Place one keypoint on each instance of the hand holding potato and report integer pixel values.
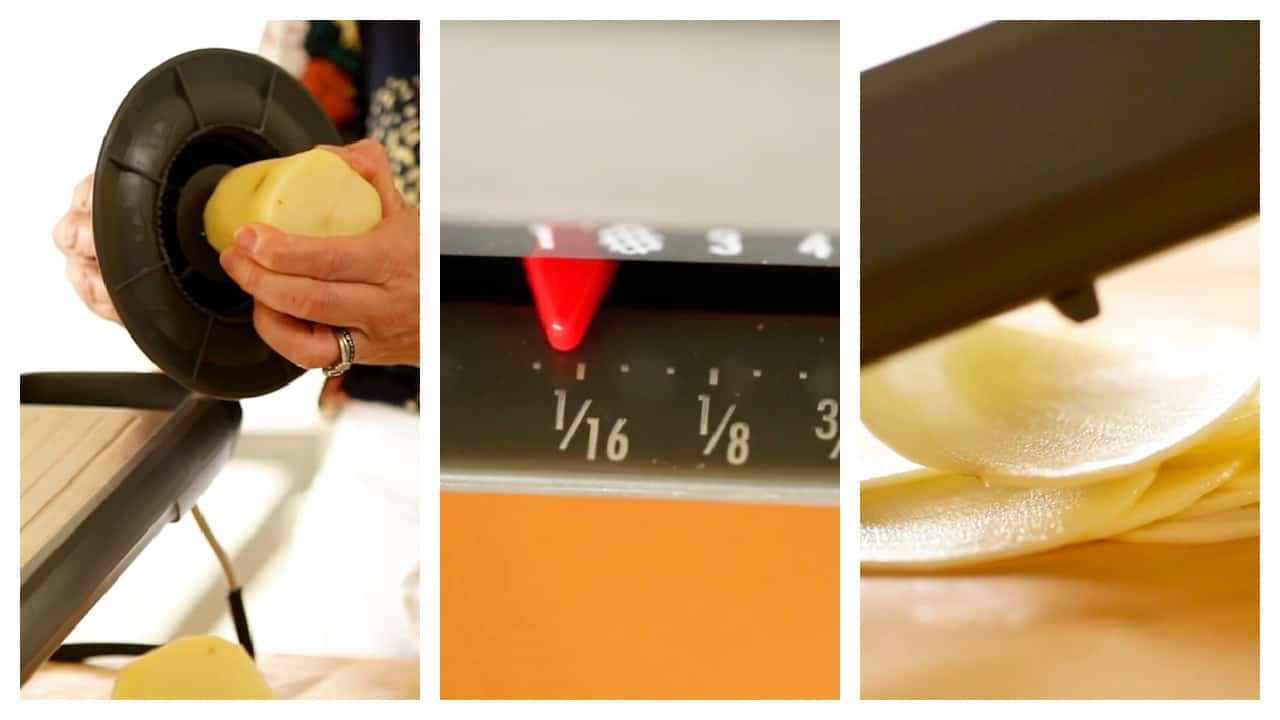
(306, 286)
(74, 237)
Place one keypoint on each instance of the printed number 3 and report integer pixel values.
(725, 241)
(830, 410)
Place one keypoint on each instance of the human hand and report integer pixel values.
(305, 286)
(74, 237)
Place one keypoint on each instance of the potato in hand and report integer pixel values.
(313, 193)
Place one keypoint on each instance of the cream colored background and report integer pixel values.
(680, 124)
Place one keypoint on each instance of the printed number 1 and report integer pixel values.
(544, 236)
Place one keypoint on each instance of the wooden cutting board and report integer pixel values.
(1102, 620)
(70, 456)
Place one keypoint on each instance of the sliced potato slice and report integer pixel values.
(951, 520)
(1237, 433)
(878, 465)
(1032, 402)
(1176, 487)
(1243, 488)
(1233, 524)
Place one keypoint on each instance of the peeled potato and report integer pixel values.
(313, 193)
(1233, 524)
(201, 667)
(951, 520)
(1038, 403)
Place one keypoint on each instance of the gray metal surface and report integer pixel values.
(674, 124)
(716, 406)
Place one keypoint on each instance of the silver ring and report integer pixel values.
(346, 353)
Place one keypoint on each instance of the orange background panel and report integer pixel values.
(577, 597)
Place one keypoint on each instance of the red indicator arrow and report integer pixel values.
(568, 291)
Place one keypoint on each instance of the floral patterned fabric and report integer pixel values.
(365, 74)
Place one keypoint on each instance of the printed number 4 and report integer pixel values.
(816, 244)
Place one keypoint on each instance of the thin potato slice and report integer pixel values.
(878, 465)
(954, 520)
(1233, 524)
(1240, 490)
(1176, 487)
(1033, 402)
(1237, 433)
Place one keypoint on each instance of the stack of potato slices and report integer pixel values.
(1029, 432)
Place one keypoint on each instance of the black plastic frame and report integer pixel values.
(659, 285)
(1024, 159)
(496, 434)
(158, 484)
(205, 108)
